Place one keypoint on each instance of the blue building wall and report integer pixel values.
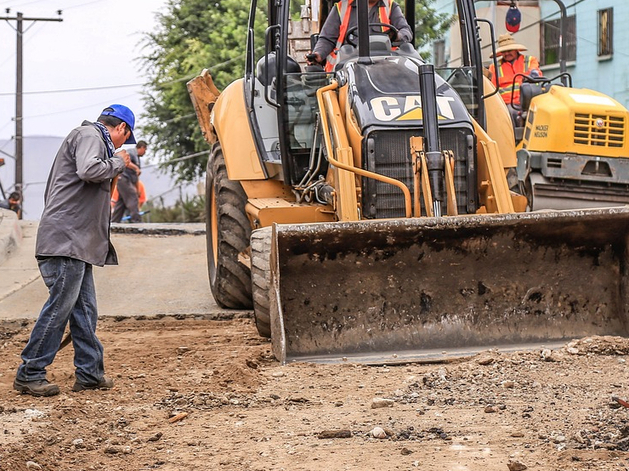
(610, 76)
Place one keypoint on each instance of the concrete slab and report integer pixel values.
(19, 269)
(10, 234)
(162, 271)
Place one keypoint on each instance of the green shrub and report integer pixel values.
(186, 210)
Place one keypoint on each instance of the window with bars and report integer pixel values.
(550, 40)
(605, 32)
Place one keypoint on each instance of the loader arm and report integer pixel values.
(492, 183)
(203, 94)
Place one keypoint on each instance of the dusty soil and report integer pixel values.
(195, 394)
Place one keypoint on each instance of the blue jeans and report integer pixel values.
(72, 298)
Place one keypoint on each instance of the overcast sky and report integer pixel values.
(95, 46)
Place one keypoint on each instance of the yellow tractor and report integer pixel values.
(365, 213)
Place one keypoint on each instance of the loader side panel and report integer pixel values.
(430, 286)
(231, 121)
(499, 125)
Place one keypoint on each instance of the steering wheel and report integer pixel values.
(352, 32)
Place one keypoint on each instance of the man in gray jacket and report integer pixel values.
(73, 236)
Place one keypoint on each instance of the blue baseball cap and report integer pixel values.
(125, 114)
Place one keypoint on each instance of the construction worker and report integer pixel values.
(343, 18)
(73, 235)
(511, 63)
(127, 187)
(13, 203)
(141, 195)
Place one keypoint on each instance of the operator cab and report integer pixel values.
(281, 88)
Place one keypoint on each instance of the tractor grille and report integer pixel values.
(599, 130)
(388, 153)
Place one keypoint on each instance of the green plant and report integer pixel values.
(186, 210)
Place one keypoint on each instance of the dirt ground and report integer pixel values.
(196, 394)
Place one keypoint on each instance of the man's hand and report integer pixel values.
(124, 155)
(313, 58)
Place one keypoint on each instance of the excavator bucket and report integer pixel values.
(388, 291)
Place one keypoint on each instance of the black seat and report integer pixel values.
(265, 68)
(528, 91)
(407, 49)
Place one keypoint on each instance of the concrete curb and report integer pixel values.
(159, 228)
(10, 234)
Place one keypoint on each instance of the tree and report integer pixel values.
(193, 36)
(429, 25)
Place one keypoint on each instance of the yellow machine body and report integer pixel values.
(577, 121)
(575, 150)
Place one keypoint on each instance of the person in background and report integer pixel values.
(141, 195)
(13, 203)
(511, 63)
(344, 16)
(128, 187)
(73, 235)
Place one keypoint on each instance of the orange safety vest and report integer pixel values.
(507, 71)
(344, 10)
(141, 195)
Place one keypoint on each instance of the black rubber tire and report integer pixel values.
(261, 279)
(228, 232)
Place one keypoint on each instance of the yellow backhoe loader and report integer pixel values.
(365, 213)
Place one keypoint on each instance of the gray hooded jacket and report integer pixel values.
(76, 217)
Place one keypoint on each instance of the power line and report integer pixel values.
(6, 143)
(5, 125)
(542, 20)
(30, 37)
(41, 1)
(179, 159)
(70, 90)
(83, 4)
(90, 106)
(23, 4)
(19, 18)
(130, 85)
(172, 120)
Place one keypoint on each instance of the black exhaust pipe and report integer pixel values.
(364, 53)
(432, 146)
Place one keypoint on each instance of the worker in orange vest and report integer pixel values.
(511, 63)
(343, 18)
(141, 195)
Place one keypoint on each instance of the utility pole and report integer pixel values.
(20, 19)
